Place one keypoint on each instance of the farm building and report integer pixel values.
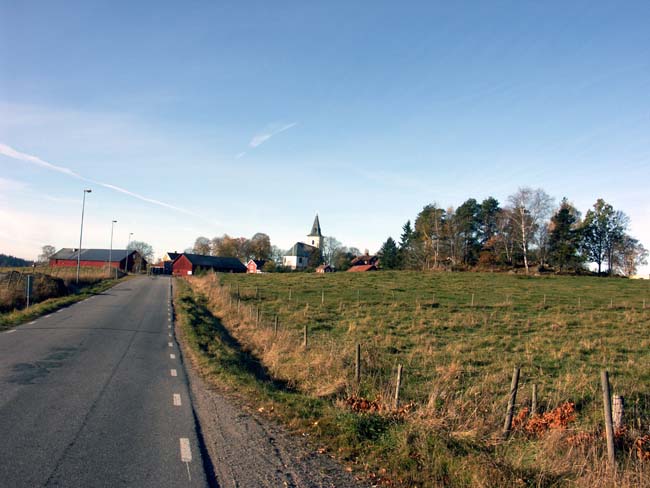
(97, 258)
(188, 264)
(255, 265)
(362, 268)
(298, 256)
(167, 261)
(365, 260)
(324, 268)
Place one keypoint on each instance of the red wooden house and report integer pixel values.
(255, 265)
(188, 264)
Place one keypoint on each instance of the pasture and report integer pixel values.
(458, 337)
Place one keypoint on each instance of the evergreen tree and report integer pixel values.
(467, 224)
(389, 254)
(406, 246)
(564, 238)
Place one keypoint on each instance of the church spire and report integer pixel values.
(315, 228)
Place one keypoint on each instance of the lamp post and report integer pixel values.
(81, 232)
(110, 251)
(126, 260)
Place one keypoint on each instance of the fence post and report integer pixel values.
(322, 297)
(544, 299)
(289, 293)
(609, 429)
(238, 295)
(257, 319)
(275, 325)
(514, 385)
(472, 299)
(358, 297)
(357, 364)
(618, 411)
(533, 402)
(398, 385)
(28, 289)
(238, 304)
(304, 337)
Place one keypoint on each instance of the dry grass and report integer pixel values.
(457, 359)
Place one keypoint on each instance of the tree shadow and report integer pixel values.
(215, 340)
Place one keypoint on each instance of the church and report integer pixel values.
(298, 256)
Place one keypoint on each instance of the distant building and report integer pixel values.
(324, 268)
(365, 260)
(298, 256)
(362, 268)
(97, 258)
(255, 265)
(167, 261)
(188, 264)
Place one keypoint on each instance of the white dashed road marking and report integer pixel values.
(32, 322)
(176, 400)
(48, 316)
(172, 356)
(173, 372)
(170, 344)
(10, 331)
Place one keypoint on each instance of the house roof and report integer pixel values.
(315, 228)
(302, 250)
(173, 255)
(116, 255)
(324, 266)
(365, 259)
(216, 262)
(258, 262)
(362, 268)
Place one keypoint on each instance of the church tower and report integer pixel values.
(315, 238)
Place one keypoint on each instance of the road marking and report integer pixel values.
(32, 322)
(173, 372)
(48, 316)
(11, 331)
(170, 334)
(169, 326)
(60, 310)
(186, 455)
(170, 344)
(172, 356)
(176, 400)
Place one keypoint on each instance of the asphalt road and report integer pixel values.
(96, 395)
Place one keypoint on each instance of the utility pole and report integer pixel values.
(110, 251)
(81, 232)
(126, 259)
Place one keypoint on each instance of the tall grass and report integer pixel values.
(457, 359)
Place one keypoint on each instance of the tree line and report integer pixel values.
(529, 230)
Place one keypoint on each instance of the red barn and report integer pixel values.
(98, 258)
(188, 264)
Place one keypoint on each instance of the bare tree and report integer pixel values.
(47, 252)
(330, 246)
(201, 246)
(529, 209)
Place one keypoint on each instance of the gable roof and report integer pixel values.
(315, 228)
(258, 262)
(116, 255)
(215, 262)
(301, 250)
(173, 255)
(365, 259)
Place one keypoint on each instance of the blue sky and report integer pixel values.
(252, 116)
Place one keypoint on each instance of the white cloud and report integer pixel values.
(268, 132)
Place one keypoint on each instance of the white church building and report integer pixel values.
(298, 256)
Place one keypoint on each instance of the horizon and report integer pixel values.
(213, 120)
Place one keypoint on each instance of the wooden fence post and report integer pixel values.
(609, 429)
(533, 402)
(289, 293)
(238, 295)
(275, 325)
(472, 299)
(358, 297)
(618, 411)
(238, 304)
(398, 385)
(514, 385)
(257, 318)
(322, 297)
(357, 364)
(544, 299)
(304, 337)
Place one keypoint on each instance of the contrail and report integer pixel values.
(10, 152)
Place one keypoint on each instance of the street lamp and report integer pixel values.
(81, 232)
(126, 260)
(110, 252)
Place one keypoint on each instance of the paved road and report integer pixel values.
(96, 395)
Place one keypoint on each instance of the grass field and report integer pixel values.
(458, 337)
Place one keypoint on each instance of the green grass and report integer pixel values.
(457, 359)
(17, 317)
